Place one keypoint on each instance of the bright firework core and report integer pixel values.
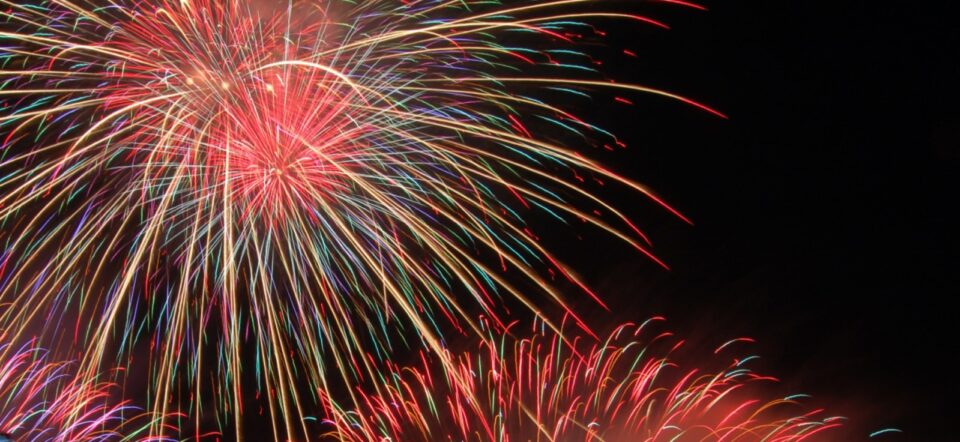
(252, 129)
(290, 154)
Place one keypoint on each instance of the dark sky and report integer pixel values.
(824, 208)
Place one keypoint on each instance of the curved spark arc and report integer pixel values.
(200, 175)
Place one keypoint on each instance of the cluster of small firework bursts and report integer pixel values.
(626, 388)
(312, 187)
(40, 400)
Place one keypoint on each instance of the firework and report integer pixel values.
(192, 184)
(630, 387)
(41, 401)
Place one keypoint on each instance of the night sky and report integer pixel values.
(824, 209)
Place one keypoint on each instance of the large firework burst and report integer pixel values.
(630, 387)
(315, 181)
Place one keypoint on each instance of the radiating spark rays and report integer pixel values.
(308, 186)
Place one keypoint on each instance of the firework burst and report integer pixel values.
(630, 387)
(305, 186)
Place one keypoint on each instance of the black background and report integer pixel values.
(823, 209)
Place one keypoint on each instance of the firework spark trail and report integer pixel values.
(630, 387)
(40, 402)
(323, 182)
